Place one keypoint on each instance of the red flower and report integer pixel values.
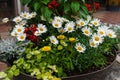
(31, 30)
(33, 38)
(30, 33)
(97, 5)
(53, 4)
(89, 7)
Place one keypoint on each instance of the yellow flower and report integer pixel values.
(61, 37)
(72, 39)
(56, 79)
(46, 48)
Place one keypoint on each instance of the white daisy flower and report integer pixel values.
(37, 33)
(102, 30)
(33, 14)
(58, 19)
(89, 18)
(29, 16)
(21, 37)
(24, 14)
(50, 21)
(53, 40)
(18, 25)
(80, 47)
(95, 22)
(92, 44)
(56, 24)
(17, 19)
(5, 20)
(97, 38)
(61, 30)
(42, 28)
(19, 29)
(13, 33)
(111, 34)
(65, 20)
(69, 27)
(80, 23)
(43, 18)
(23, 22)
(86, 31)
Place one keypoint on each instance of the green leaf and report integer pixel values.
(36, 6)
(6, 78)
(16, 72)
(46, 12)
(13, 67)
(82, 14)
(75, 6)
(45, 1)
(60, 71)
(83, 7)
(28, 56)
(39, 56)
(38, 76)
(10, 73)
(66, 7)
(24, 2)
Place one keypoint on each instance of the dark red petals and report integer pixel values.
(53, 4)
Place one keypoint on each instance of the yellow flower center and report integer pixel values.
(72, 39)
(82, 23)
(18, 20)
(79, 48)
(53, 41)
(110, 35)
(58, 20)
(24, 15)
(69, 29)
(97, 38)
(61, 37)
(41, 29)
(15, 34)
(95, 23)
(92, 44)
(101, 32)
(61, 31)
(22, 37)
(29, 17)
(19, 30)
(86, 32)
(46, 48)
(56, 25)
(78, 25)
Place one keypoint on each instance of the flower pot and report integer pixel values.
(95, 75)
(3, 66)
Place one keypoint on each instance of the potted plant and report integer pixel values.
(59, 46)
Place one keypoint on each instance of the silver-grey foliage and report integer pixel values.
(10, 48)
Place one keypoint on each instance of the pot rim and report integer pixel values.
(81, 74)
(85, 74)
